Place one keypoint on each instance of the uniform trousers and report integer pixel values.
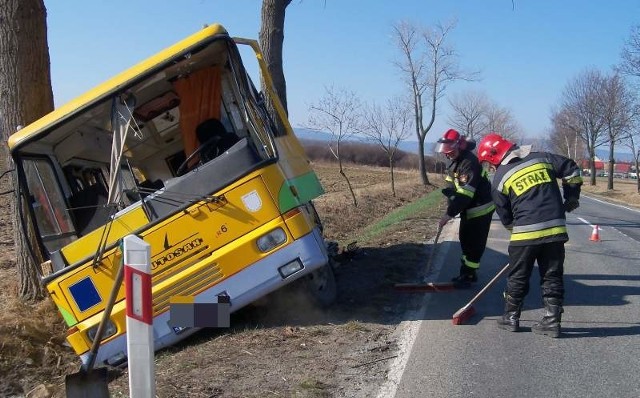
(550, 259)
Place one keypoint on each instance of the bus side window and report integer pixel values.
(51, 216)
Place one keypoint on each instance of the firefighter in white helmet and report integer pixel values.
(529, 203)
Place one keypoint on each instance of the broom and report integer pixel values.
(466, 312)
(428, 286)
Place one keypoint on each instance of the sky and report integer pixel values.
(527, 51)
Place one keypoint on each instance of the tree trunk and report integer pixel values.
(592, 166)
(611, 167)
(271, 40)
(25, 95)
(393, 181)
(421, 163)
(353, 194)
(637, 174)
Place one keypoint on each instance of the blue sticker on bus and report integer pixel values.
(85, 294)
(179, 329)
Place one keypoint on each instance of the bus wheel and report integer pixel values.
(321, 286)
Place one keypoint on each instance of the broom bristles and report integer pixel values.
(463, 314)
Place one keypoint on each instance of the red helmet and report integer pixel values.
(449, 142)
(493, 148)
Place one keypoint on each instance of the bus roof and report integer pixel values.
(110, 86)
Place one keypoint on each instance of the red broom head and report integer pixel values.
(463, 315)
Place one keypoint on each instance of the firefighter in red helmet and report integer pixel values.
(468, 193)
(529, 203)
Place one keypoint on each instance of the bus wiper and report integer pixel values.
(173, 198)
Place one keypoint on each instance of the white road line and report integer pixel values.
(614, 228)
(611, 204)
(585, 221)
(407, 331)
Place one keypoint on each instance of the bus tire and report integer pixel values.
(320, 285)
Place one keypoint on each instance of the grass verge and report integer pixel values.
(422, 205)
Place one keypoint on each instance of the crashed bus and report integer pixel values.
(180, 151)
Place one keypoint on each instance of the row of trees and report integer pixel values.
(368, 154)
(342, 114)
(596, 109)
(601, 109)
(428, 64)
(474, 114)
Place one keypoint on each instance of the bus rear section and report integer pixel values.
(180, 151)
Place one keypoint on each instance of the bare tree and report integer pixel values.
(271, 43)
(469, 113)
(26, 95)
(388, 127)
(618, 107)
(475, 114)
(501, 121)
(428, 66)
(338, 113)
(581, 113)
(563, 140)
(630, 64)
(633, 143)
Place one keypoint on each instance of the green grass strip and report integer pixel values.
(428, 201)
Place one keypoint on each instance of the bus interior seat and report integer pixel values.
(88, 208)
(215, 136)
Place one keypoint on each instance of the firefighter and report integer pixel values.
(468, 193)
(529, 204)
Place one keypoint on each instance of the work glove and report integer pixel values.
(571, 204)
(448, 192)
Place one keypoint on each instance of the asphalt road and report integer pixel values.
(598, 353)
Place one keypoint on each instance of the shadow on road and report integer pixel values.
(607, 331)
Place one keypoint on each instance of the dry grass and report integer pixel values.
(372, 187)
(625, 191)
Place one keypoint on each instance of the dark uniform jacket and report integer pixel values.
(468, 188)
(528, 200)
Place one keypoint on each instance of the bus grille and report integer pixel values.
(187, 286)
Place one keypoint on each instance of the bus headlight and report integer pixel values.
(271, 240)
(109, 330)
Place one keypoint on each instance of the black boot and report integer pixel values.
(510, 320)
(550, 323)
(466, 277)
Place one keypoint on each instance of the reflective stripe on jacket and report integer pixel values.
(468, 187)
(528, 199)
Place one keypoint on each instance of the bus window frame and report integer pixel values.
(60, 235)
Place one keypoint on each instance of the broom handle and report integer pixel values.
(433, 250)
(488, 285)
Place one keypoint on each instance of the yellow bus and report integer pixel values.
(180, 151)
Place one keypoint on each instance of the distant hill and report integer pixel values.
(307, 134)
(603, 154)
(410, 146)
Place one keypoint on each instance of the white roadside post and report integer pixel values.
(137, 282)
